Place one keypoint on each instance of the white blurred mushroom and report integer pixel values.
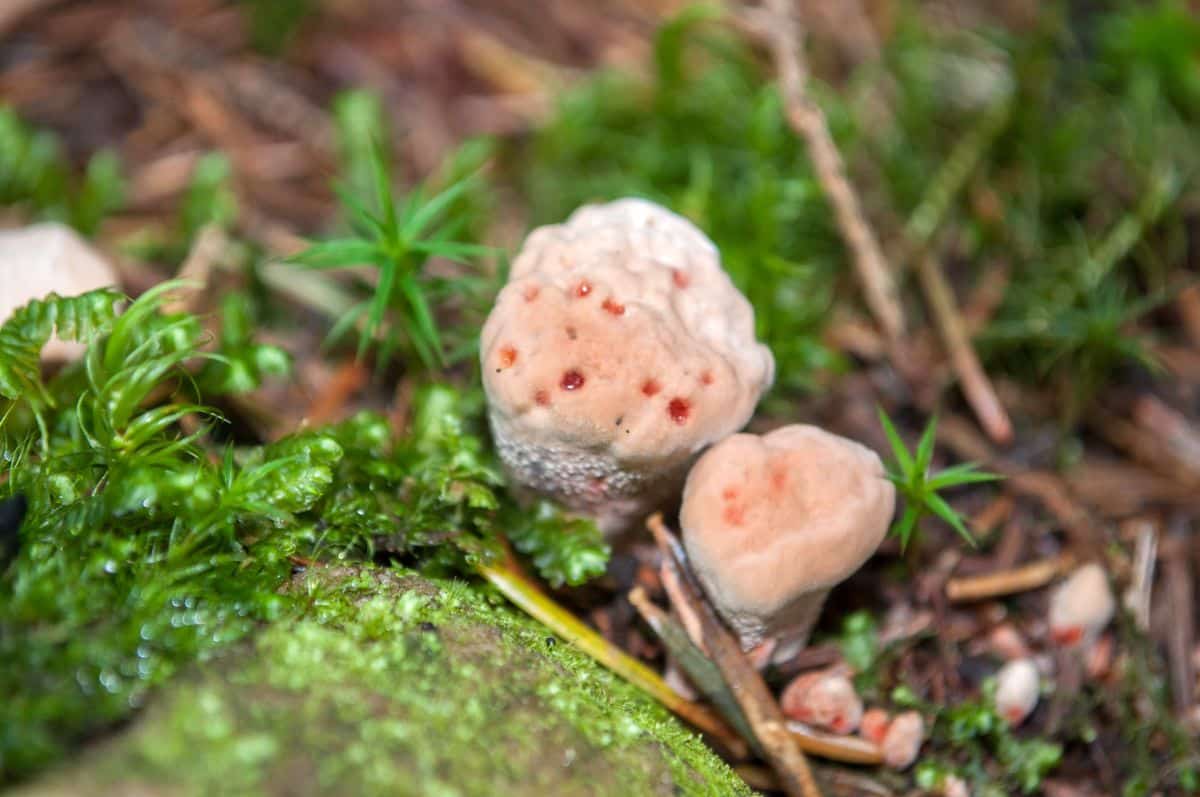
(1081, 606)
(618, 350)
(1016, 690)
(41, 259)
(954, 786)
(902, 742)
(771, 523)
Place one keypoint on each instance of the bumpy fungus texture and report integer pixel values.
(618, 349)
(48, 258)
(1081, 606)
(771, 523)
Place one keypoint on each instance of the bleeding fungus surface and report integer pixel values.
(634, 351)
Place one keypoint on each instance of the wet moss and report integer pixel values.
(391, 683)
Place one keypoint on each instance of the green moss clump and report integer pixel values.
(392, 684)
(146, 548)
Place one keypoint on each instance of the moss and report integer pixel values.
(391, 683)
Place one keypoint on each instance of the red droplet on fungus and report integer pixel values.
(1067, 636)
(613, 306)
(680, 279)
(572, 333)
(571, 380)
(778, 478)
(679, 409)
(583, 289)
(650, 388)
(707, 378)
(734, 514)
(508, 356)
(729, 493)
(542, 398)
(531, 293)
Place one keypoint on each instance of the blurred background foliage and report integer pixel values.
(1079, 125)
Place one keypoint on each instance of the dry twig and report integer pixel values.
(1007, 582)
(761, 710)
(1181, 597)
(807, 119)
(976, 386)
(1141, 584)
(514, 585)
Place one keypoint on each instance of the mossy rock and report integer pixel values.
(394, 684)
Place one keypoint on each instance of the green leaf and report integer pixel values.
(426, 332)
(565, 549)
(904, 528)
(899, 450)
(925, 448)
(965, 473)
(939, 507)
(337, 253)
(23, 335)
(424, 215)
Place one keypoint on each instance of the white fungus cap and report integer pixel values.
(41, 259)
(1017, 690)
(618, 350)
(771, 523)
(1081, 606)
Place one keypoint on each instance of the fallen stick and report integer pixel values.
(757, 703)
(807, 119)
(1180, 593)
(514, 585)
(918, 233)
(1008, 582)
(976, 386)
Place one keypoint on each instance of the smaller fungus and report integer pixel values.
(1006, 642)
(902, 742)
(874, 724)
(1017, 690)
(824, 699)
(1081, 606)
(771, 523)
(954, 786)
